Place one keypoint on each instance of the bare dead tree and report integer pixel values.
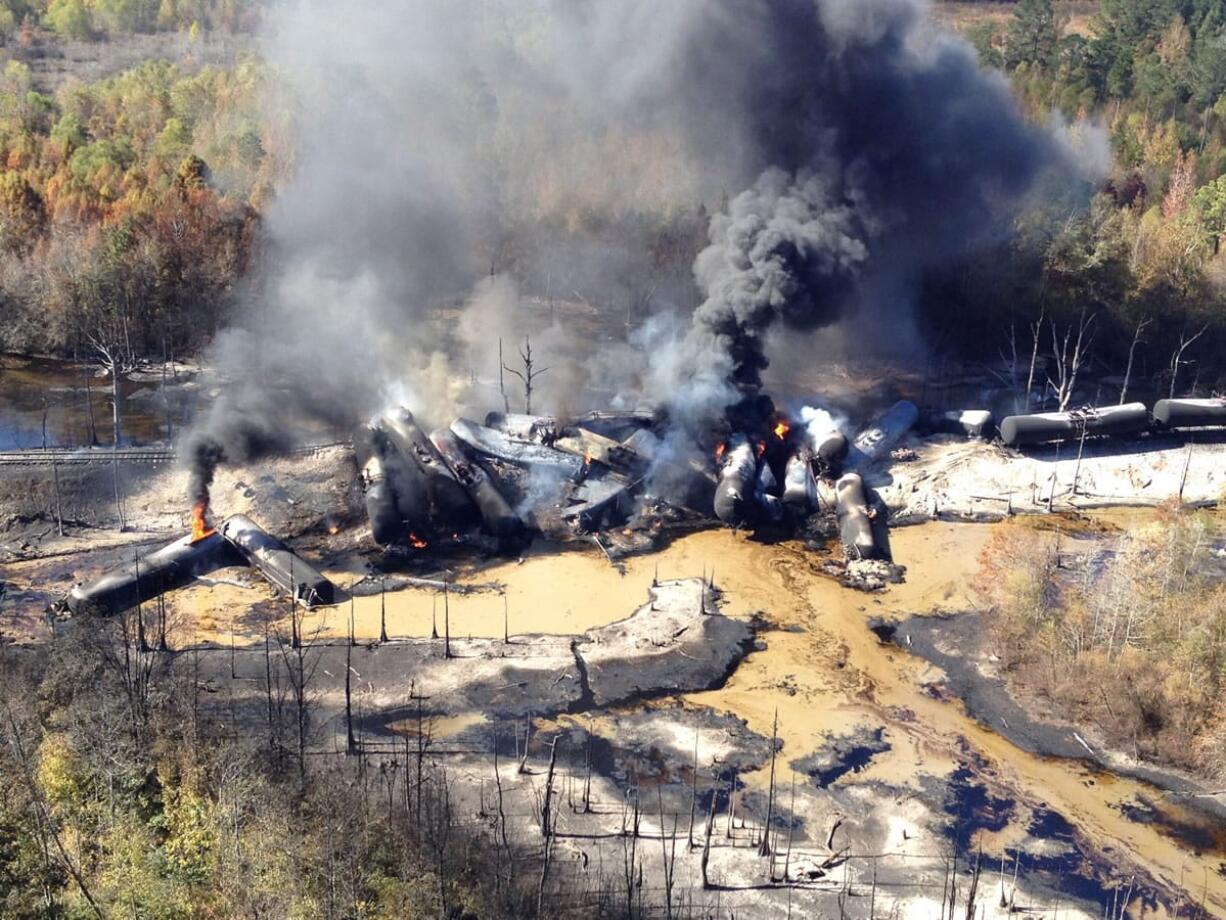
(693, 788)
(89, 409)
(1136, 338)
(45, 826)
(629, 852)
(502, 386)
(351, 744)
(1036, 330)
(115, 357)
(300, 664)
(59, 513)
(529, 374)
(446, 622)
(1177, 360)
(706, 840)
(548, 820)
(382, 610)
(502, 814)
(668, 852)
(1068, 363)
(764, 849)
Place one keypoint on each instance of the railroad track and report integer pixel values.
(68, 456)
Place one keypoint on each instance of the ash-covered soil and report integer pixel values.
(890, 780)
(958, 479)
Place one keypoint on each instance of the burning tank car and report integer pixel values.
(617, 474)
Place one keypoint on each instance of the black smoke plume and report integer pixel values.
(888, 153)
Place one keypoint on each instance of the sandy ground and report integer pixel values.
(955, 477)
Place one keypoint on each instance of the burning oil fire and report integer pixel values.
(782, 429)
(200, 523)
(417, 542)
(720, 448)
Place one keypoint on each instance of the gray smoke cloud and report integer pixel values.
(458, 158)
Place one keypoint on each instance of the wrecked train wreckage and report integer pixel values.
(526, 473)
(238, 541)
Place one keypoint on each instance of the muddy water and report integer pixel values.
(823, 671)
(835, 674)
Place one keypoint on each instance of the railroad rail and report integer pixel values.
(80, 456)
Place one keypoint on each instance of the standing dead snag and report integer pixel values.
(1136, 338)
(764, 849)
(548, 820)
(113, 348)
(446, 623)
(1177, 360)
(1036, 329)
(706, 842)
(1068, 363)
(668, 851)
(528, 375)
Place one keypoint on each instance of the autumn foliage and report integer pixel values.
(1126, 636)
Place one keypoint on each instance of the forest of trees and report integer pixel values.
(1132, 642)
(91, 19)
(1152, 74)
(128, 207)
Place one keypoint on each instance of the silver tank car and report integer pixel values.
(450, 508)
(736, 494)
(283, 568)
(496, 514)
(799, 486)
(855, 522)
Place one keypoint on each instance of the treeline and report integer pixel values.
(1132, 642)
(128, 207)
(1147, 252)
(100, 19)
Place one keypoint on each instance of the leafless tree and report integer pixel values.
(528, 375)
(764, 849)
(1069, 362)
(1136, 338)
(1036, 330)
(113, 349)
(1177, 359)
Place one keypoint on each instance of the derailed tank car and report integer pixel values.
(370, 447)
(145, 577)
(1049, 427)
(855, 518)
(1173, 414)
(496, 514)
(446, 500)
(283, 568)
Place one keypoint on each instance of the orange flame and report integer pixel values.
(719, 451)
(200, 524)
(782, 429)
(417, 542)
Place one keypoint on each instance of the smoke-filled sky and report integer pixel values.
(815, 155)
